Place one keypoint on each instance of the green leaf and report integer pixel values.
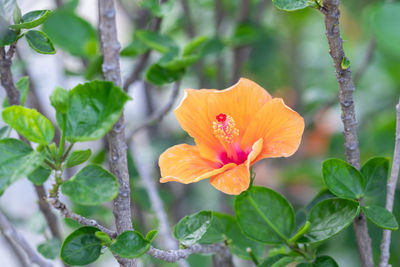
(91, 113)
(92, 185)
(291, 5)
(322, 195)
(7, 36)
(16, 160)
(59, 99)
(39, 176)
(321, 261)
(104, 238)
(247, 33)
(159, 75)
(81, 247)
(23, 87)
(29, 123)
(32, 19)
(179, 64)
(157, 8)
(157, 41)
(329, 217)
(264, 215)
(134, 49)
(195, 45)
(3, 131)
(83, 41)
(225, 228)
(381, 217)
(268, 262)
(130, 244)
(77, 157)
(151, 235)
(284, 261)
(385, 22)
(39, 42)
(342, 179)
(345, 63)
(17, 15)
(190, 229)
(375, 172)
(50, 249)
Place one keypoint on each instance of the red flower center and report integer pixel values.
(221, 117)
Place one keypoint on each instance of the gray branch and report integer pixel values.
(343, 75)
(391, 188)
(12, 234)
(116, 137)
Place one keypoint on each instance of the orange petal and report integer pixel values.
(182, 163)
(192, 114)
(279, 126)
(241, 101)
(236, 180)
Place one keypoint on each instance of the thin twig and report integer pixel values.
(116, 137)
(331, 11)
(391, 188)
(18, 253)
(158, 115)
(10, 232)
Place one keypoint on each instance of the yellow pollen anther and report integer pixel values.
(224, 129)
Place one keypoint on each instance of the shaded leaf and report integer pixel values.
(381, 217)
(39, 176)
(156, 41)
(375, 172)
(50, 249)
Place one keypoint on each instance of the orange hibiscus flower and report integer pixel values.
(232, 129)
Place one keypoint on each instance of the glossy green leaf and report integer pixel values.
(81, 247)
(381, 217)
(23, 87)
(39, 42)
(130, 244)
(151, 235)
(92, 185)
(329, 217)
(32, 19)
(321, 261)
(385, 22)
(156, 41)
(91, 113)
(16, 160)
(375, 172)
(342, 179)
(50, 249)
(225, 228)
(7, 36)
(195, 45)
(83, 41)
(134, 49)
(59, 99)
(29, 123)
(39, 176)
(190, 229)
(291, 5)
(77, 157)
(159, 75)
(264, 215)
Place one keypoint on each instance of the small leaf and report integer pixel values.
(7, 36)
(29, 123)
(104, 238)
(291, 5)
(39, 176)
(92, 185)
(151, 235)
(264, 215)
(50, 249)
(345, 63)
(81, 247)
(329, 217)
(31, 19)
(91, 114)
(16, 160)
(321, 261)
(130, 244)
(39, 42)
(342, 179)
(381, 217)
(157, 8)
(77, 157)
(59, 99)
(191, 229)
(375, 172)
(195, 45)
(269, 261)
(134, 49)
(159, 75)
(157, 41)
(17, 15)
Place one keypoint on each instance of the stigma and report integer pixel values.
(225, 128)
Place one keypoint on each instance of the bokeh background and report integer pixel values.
(284, 52)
